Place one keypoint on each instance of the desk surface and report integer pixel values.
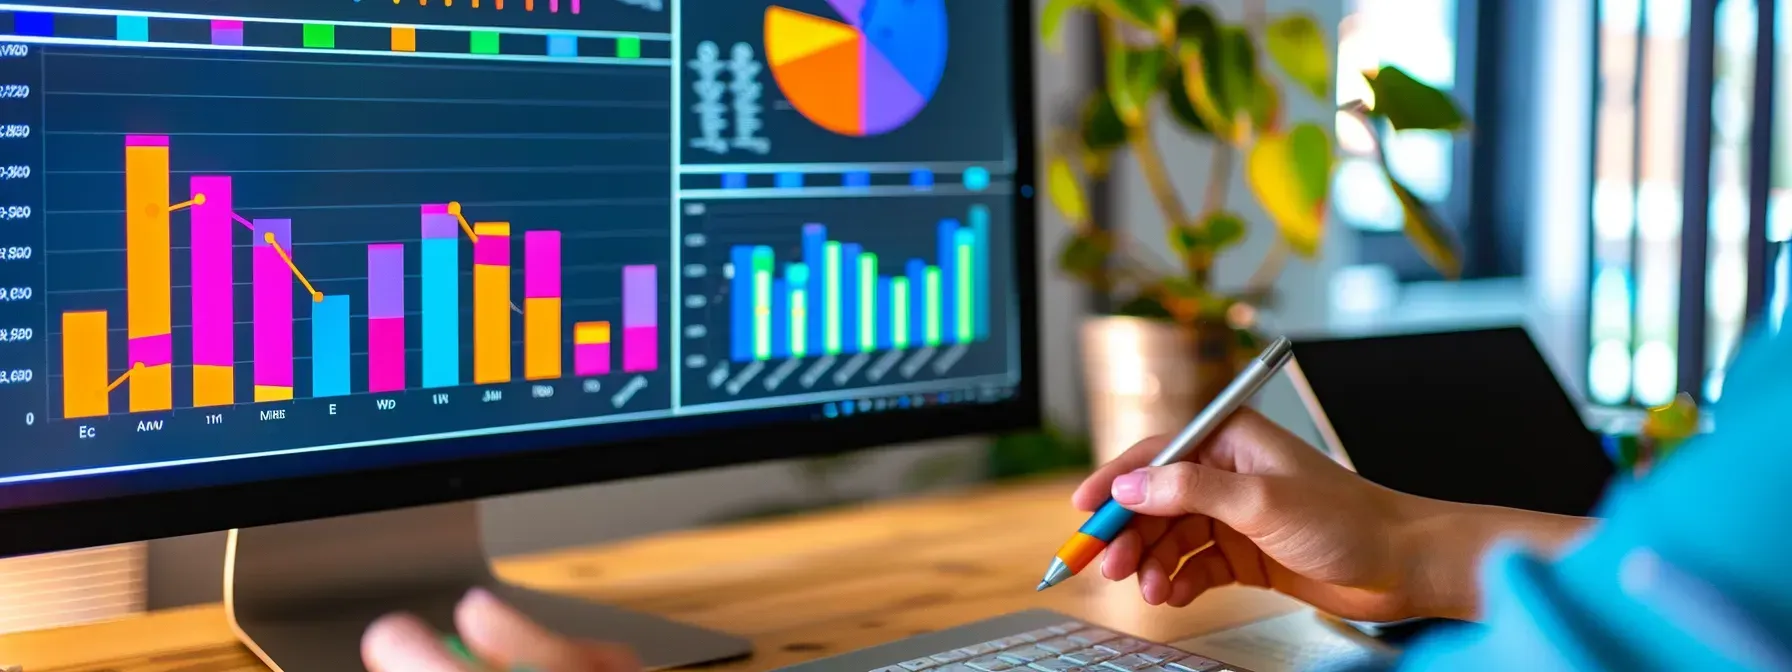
(800, 588)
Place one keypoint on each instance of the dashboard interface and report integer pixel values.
(233, 231)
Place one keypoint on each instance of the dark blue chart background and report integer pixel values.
(968, 119)
(348, 148)
(593, 14)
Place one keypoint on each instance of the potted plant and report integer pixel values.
(1175, 338)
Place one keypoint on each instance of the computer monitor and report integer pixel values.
(269, 262)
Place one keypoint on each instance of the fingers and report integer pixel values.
(1242, 556)
(1203, 572)
(1187, 536)
(1122, 557)
(1184, 488)
(404, 643)
(1094, 490)
(499, 634)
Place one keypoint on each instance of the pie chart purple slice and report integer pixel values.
(889, 100)
(850, 10)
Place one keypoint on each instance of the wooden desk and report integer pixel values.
(800, 588)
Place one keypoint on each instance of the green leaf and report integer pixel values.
(1102, 130)
(1182, 109)
(1051, 20)
(1145, 306)
(1291, 175)
(1433, 240)
(1195, 25)
(1085, 255)
(1197, 40)
(1266, 107)
(1186, 239)
(1232, 69)
(1066, 191)
(1158, 15)
(1408, 103)
(1297, 45)
(1222, 229)
(1133, 78)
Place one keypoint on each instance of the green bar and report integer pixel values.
(899, 312)
(762, 303)
(485, 42)
(628, 46)
(964, 323)
(799, 324)
(931, 330)
(831, 332)
(320, 36)
(867, 302)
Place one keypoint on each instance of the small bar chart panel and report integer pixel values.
(884, 293)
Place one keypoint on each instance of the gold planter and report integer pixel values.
(1147, 377)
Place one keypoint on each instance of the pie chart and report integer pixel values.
(868, 72)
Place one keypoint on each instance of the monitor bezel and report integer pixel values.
(138, 517)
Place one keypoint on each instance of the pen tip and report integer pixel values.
(1042, 586)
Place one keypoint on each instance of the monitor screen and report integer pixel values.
(255, 240)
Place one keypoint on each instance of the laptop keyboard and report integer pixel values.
(1070, 647)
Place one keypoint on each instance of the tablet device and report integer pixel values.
(1472, 416)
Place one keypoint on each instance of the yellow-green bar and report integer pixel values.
(867, 302)
(831, 278)
(762, 303)
(899, 312)
(799, 326)
(931, 329)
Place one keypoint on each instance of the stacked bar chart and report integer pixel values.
(281, 297)
(841, 299)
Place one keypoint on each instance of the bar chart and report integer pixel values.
(799, 305)
(271, 246)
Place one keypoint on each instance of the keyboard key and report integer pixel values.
(955, 667)
(1068, 627)
(1060, 645)
(1195, 663)
(1041, 634)
(1125, 645)
(1158, 654)
(1130, 663)
(1026, 654)
(1010, 642)
(1089, 656)
(980, 649)
(1094, 636)
(990, 664)
(890, 668)
(918, 664)
(1053, 665)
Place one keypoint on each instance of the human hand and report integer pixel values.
(1256, 505)
(498, 637)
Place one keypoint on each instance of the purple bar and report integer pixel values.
(640, 318)
(591, 359)
(152, 350)
(273, 304)
(492, 250)
(541, 265)
(146, 141)
(214, 316)
(385, 280)
(437, 223)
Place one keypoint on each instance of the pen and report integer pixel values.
(1108, 520)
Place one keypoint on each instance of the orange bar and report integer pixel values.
(272, 393)
(491, 303)
(404, 39)
(213, 385)
(84, 360)
(147, 283)
(541, 338)
(591, 333)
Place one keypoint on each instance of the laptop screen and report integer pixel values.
(1469, 416)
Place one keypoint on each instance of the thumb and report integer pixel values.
(1188, 488)
(509, 639)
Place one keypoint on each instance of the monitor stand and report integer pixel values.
(299, 595)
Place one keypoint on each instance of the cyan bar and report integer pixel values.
(329, 347)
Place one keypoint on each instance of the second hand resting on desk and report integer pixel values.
(1111, 518)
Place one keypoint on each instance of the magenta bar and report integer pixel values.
(227, 32)
(541, 265)
(152, 350)
(214, 318)
(273, 310)
(435, 208)
(575, 6)
(385, 317)
(146, 141)
(492, 250)
(590, 359)
(640, 318)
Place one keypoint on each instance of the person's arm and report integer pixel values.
(1447, 542)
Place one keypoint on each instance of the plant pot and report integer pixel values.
(1147, 377)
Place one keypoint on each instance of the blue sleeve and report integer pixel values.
(1686, 570)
